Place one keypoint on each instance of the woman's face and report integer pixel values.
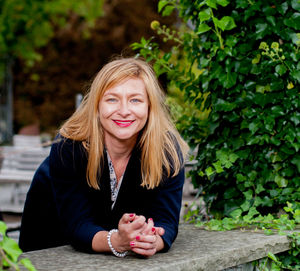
(123, 110)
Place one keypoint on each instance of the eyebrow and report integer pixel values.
(130, 95)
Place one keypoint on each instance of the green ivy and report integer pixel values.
(10, 253)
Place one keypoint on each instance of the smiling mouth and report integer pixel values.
(123, 123)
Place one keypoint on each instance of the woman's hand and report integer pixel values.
(130, 226)
(149, 241)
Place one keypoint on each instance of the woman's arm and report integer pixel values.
(165, 207)
(71, 193)
(163, 210)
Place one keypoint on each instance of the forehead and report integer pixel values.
(129, 85)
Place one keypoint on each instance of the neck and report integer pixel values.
(119, 149)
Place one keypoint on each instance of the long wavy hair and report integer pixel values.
(162, 148)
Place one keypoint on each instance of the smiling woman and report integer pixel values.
(113, 180)
(123, 111)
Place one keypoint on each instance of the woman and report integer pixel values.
(113, 180)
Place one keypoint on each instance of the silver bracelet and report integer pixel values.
(116, 253)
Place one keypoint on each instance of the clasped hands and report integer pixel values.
(138, 235)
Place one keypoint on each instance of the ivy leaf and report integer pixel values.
(223, 3)
(209, 171)
(226, 23)
(168, 10)
(254, 126)
(246, 205)
(212, 3)
(256, 60)
(11, 247)
(296, 162)
(248, 194)
(261, 30)
(252, 212)
(296, 75)
(293, 21)
(218, 166)
(204, 15)
(233, 157)
(228, 80)
(162, 4)
(240, 177)
(297, 216)
(280, 181)
(236, 213)
(272, 257)
(295, 4)
(259, 188)
(203, 28)
(3, 228)
(284, 7)
(280, 69)
(222, 105)
(277, 111)
(290, 85)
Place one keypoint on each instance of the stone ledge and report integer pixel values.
(194, 249)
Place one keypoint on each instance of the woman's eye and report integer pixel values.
(135, 100)
(111, 100)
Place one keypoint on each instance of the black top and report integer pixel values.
(61, 208)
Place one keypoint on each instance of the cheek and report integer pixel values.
(142, 113)
(105, 111)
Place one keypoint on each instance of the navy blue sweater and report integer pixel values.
(62, 209)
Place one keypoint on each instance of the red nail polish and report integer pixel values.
(153, 229)
(131, 215)
(150, 219)
(132, 244)
(137, 238)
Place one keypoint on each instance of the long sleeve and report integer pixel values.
(71, 193)
(165, 207)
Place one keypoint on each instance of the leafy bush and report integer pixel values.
(246, 54)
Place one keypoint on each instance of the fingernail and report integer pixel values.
(131, 215)
(153, 229)
(150, 219)
(137, 238)
(132, 244)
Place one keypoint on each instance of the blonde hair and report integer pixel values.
(161, 146)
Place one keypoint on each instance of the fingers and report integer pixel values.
(138, 223)
(144, 245)
(160, 231)
(126, 218)
(138, 235)
(149, 229)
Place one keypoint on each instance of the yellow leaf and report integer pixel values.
(290, 85)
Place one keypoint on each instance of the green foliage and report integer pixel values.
(28, 25)
(10, 252)
(248, 55)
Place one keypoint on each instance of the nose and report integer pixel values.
(124, 109)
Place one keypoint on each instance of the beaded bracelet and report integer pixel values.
(116, 253)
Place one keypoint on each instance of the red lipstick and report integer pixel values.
(123, 123)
